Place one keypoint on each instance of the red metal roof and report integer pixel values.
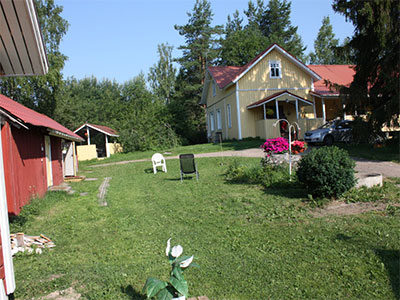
(224, 75)
(337, 74)
(32, 117)
(276, 95)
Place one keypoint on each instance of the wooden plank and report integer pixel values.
(9, 45)
(16, 33)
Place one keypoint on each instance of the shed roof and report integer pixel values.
(101, 128)
(277, 95)
(23, 50)
(337, 74)
(29, 116)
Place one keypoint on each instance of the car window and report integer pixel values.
(327, 125)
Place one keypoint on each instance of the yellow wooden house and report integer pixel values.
(247, 101)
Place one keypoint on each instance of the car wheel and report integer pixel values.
(328, 140)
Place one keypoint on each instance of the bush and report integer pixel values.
(266, 173)
(326, 172)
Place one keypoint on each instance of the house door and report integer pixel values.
(47, 147)
(68, 155)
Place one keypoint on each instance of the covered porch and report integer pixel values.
(284, 105)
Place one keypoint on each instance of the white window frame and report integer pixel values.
(228, 109)
(219, 120)
(273, 66)
(211, 121)
(214, 89)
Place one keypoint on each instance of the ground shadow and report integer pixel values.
(132, 293)
(149, 170)
(391, 260)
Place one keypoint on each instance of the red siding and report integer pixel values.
(25, 165)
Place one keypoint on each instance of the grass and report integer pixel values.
(195, 149)
(390, 152)
(250, 242)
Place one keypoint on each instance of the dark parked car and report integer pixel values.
(331, 132)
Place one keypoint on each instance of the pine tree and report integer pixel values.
(324, 45)
(200, 49)
(276, 26)
(266, 25)
(162, 76)
(375, 50)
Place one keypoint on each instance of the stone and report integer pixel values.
(369, 180)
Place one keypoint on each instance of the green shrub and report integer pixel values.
(266, 173)
(326, 172)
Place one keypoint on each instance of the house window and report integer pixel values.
(214, 90)
(219, 122)
(228, 109)
(275, 69)
(211, 121)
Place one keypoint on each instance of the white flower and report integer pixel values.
(186, 262)
(176, 251)
(168, 247)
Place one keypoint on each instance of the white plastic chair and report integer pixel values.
(158, 161)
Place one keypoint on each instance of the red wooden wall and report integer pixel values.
(25, 165)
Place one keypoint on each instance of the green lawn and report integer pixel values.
(195, 149)
(390, 152)
(250, 243)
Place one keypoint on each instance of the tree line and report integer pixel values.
(160, 109)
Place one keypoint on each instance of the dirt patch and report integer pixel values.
(68, 294)
(337, 208)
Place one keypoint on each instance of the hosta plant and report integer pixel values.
(177, 286)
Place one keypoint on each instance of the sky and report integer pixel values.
(117, 39)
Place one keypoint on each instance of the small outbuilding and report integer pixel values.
(100, 141)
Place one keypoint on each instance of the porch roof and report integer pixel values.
(100, 128)
(274, 97)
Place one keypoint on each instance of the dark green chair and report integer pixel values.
(188, 165)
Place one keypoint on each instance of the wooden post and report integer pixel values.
(107, 151)
(88, 135)
(277, 109)
(265, 114)
(323, 110)
(297, 109)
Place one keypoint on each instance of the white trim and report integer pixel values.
(290, 57)
(5, 227)
(3, 295)
(229, 115)
(94, 128)
(278, 66)
(312, 84)
(63, 135)
(238, 112)
(323, 110)
(219, 119)
(277, 109)
(280, 95)
(13, 119)
(297, 109)
(212, 125)
(107, 150)
(226, 120)
(265, 113)
(274, 89)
